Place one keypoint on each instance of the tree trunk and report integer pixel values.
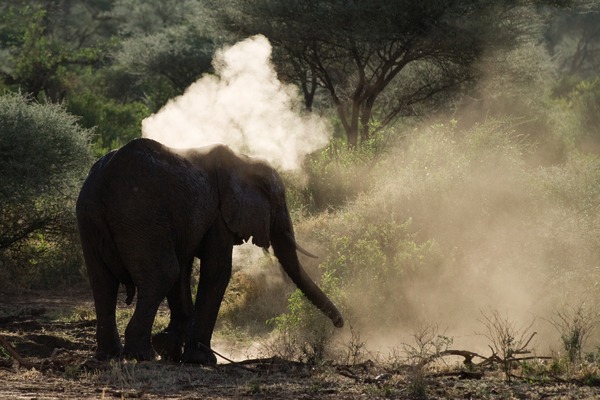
(352, 132)
(352, 137)
(309, 88)
(365, 119)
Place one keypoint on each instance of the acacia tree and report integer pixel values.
(378, 59)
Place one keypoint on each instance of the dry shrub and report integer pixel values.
(508, 340)
(575, 325)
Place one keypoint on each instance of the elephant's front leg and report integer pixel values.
(215, 272)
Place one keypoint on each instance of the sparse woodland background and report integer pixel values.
(463, 173)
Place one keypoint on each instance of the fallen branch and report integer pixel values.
(460, 374)
(468, 356)
(14, 354)
(494, 358)
(348, 374)
(531, 358)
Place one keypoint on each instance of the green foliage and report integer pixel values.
(115, 123)
(577, 106)
(167, 46)
(254, 388)
(37, 61)
(44, 155)
(454, 209)
(591, 377)
(113, 62)
(337, 174)
(373, 258)
(144, 17)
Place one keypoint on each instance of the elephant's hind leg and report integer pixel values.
(138, 343)
(107, 335)
(105, 288)
(169, 343)
(153, 282)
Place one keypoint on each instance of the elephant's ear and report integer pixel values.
(245, 203)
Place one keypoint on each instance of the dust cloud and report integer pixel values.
(491, 228)
(243, 105)
(487, 234)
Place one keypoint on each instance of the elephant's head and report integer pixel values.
(253, 204)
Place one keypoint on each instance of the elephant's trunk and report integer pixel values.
(284, 247)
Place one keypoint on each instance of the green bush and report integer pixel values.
(44, 156)
(337, 174)
(304, 333)
(369, 258)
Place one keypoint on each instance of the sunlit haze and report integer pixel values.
(244, 106)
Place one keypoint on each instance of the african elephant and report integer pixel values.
(146, 211)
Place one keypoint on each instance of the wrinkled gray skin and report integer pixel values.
(145, 211)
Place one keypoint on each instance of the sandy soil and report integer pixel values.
(51, 360)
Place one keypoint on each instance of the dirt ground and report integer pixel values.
(45, 356)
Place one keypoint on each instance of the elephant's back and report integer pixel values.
(147, 181)
(147, 166)
(146, 153)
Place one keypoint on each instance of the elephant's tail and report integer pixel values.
(130, 288)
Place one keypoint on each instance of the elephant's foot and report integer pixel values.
(168, 345)
(139, 352)
(106, 352)
(196, 353)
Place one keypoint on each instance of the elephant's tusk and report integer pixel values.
(305, 252)
(302, 250)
